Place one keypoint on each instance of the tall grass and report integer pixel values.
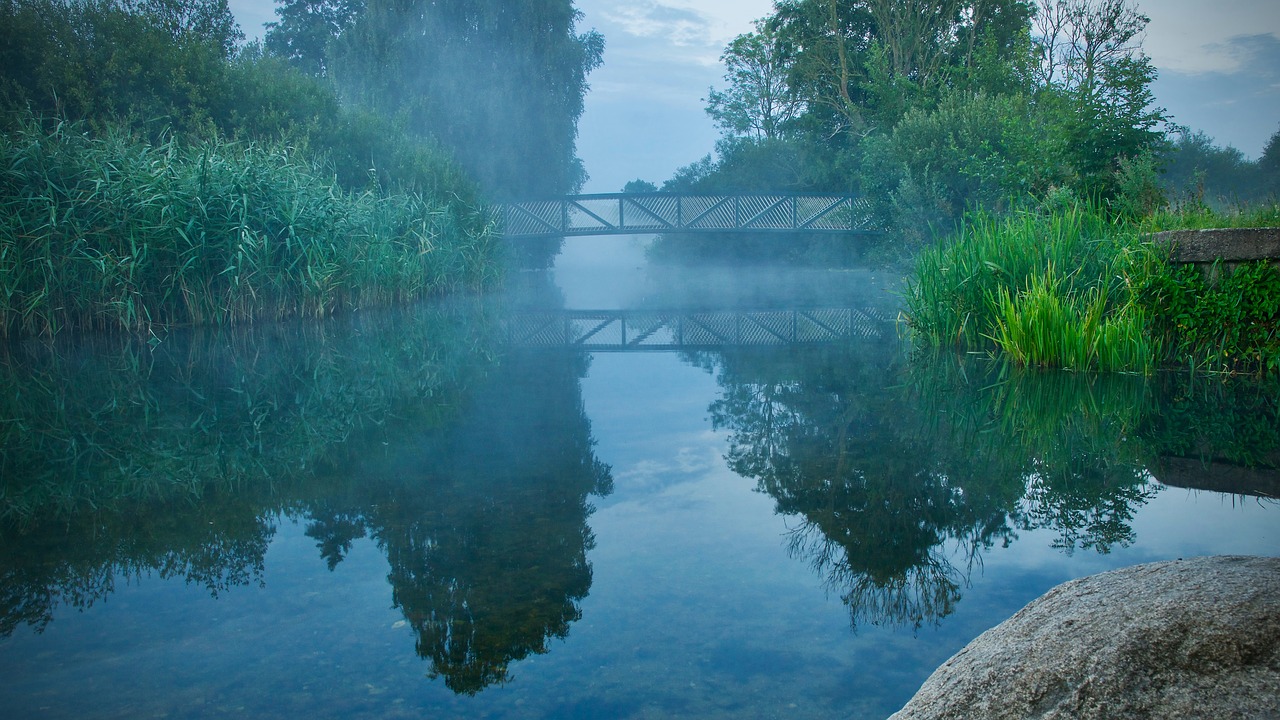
(1077, 290)
(1049, 290)
(112, 233)
(1198, 216)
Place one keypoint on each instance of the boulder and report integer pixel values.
(1195, 638)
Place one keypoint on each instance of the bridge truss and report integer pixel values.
(643, 330)
(641, 213)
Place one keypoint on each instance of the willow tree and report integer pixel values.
(500, 83)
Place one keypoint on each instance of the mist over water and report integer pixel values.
(515, 531)
(609, 488)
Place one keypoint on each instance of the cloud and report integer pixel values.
(1194, 36)
(1253, 55)
(1239, 106)
(708, 24)
(677, 26)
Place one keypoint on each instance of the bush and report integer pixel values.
(1230, 324)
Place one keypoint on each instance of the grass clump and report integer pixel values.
(110, 232)
(1077, 288)
(1048, 289)
(1199, 216)
(1044, 326)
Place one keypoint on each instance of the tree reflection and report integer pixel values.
(471, 473)
(901, 472)
(882, 508)
(485, 522)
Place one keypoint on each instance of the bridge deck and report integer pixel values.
(633, 213)
(645, 330)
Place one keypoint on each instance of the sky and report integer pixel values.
(1218, 63)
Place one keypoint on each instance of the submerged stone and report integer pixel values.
(1195, 638)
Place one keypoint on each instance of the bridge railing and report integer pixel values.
(659, 330)
(636, 213)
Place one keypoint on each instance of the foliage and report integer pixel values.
(103, 425)
(1202, 217)
(955, 294)
(111, 60)
(899, 477)
(978, 149)
(639, 186)
(180, 459)
(1074, 289)
(935, 108)
(1196, 170)
(306, 28)
(1223, 321)
(758, 102)
(115, 233)
(129, 67)
(825, 433)
(499, 84)
(1269, 164)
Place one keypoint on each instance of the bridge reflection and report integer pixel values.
(667, 330)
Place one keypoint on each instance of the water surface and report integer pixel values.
(410, 514)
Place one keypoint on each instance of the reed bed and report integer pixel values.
(1077, 290)
(1048, 290)
(107, 232)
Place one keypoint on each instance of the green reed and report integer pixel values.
(112, 233)
(1051, 290)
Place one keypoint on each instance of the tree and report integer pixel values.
(306, 28)
(916, 35)
(862, 64)
(1196, 168)
(208, 21)
(639, 186)
(1078, 38)
(149, 62)
(1093, 74)
(501, 84)
(827, 41)
(1269, 166)
(759, 101)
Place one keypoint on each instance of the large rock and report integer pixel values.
(1196, 638)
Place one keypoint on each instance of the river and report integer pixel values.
(748, 499)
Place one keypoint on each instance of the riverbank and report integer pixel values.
(1078, 289)
(114, 233)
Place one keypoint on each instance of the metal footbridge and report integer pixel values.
(662, 213)
(655, 330)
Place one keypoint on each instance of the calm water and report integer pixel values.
(447, 513)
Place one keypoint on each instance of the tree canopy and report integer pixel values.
(936, 107)
(501, 84)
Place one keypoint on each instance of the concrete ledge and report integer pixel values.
(1230, 245)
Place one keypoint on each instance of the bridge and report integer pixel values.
(655, 330)
(643, 213)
